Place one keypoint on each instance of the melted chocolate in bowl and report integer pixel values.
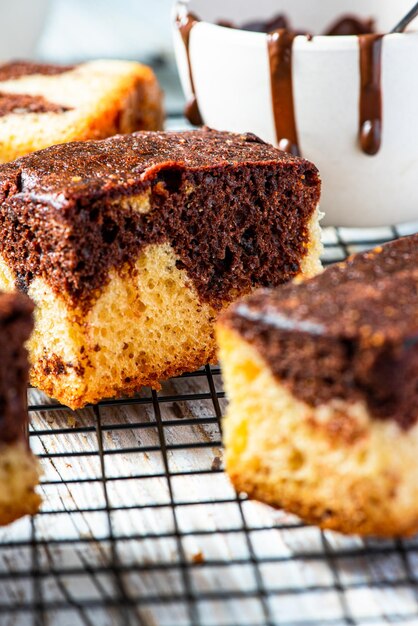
(280, 38)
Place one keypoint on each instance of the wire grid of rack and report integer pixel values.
(140, 525)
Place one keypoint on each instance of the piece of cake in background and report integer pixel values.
(322, 379)
(19, 470)
(140, 241)
(42, 105)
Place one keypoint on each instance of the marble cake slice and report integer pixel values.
(132, 245)
(42, 105)
(322, 379)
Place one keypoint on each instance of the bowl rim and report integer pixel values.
(181, 7)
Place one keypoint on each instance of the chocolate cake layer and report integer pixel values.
(350, 333)
(15, 327)
(235, 210)
(22, 103)
(17, 69)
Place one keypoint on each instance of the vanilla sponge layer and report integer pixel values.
(148, 324)
(333, 465)
(104, 98)
(19, 475)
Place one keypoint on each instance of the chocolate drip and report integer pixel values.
(280, 45)
(185, 24)
(370, 132)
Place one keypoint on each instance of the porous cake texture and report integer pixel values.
(322, 379)
(42, 105)
(19, 470)
(132, 245)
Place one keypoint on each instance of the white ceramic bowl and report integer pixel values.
(22, 23)
(232, 83)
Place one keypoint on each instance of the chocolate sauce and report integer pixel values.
(370, 131)
(280, 38)
(345, 25)
(276, 23)
(185, 25)
(350, 25)
(280, 46)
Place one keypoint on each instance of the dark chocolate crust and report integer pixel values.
(349, 333)
(17, 69)
(235, 210)
(16, 324)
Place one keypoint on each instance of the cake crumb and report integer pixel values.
(216, 464)
(72, 421)
(198, 557)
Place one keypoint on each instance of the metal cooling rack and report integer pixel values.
(140, 525)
